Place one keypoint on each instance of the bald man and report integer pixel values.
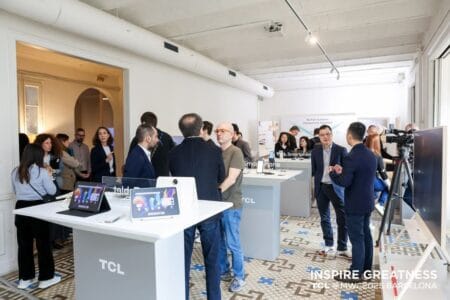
(233, 159)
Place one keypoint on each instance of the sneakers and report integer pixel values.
(47, 283)
(379, 208)
(24, 284)
(326, 250)
(344, 253)
(236, 285)
(226, 276)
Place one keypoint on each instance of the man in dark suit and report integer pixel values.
(322, 157)
(196, 158)
(357, 175)
(292, 137)
(139, 164)
(161, 151)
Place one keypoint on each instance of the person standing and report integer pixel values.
(293, 132)
(196, 158)
(231, 218)
(206, 132)
(30, 180)
(161, 151)
(103, 162)
(139, 161)
(70, 167)
(381, 184)
(81, 153)
(241, 144)
(357, 175)
(322, 157)
(283, 145)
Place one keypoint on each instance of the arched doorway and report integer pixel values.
(93, 109)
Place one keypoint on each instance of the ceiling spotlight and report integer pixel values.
(105, 98)
(311, 39)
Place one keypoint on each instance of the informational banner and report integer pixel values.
(267, 136)
(307, 123)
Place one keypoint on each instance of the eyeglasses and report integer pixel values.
(324, 134)
(220, 130)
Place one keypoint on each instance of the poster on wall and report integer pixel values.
(267, 136)
(307, 123)
(382, 123)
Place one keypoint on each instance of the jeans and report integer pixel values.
(362, 243)
(211, 240)
(327, 195)
(230, 223)
(380, 186)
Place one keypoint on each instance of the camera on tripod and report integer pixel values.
(398, 142)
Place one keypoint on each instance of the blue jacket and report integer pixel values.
(196, 158)
(337, 154)
(138, 165)
(358, 176)
(99, 166)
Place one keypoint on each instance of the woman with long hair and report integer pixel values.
(70, 166)
(381, 184)
(52, 150)
(283, 145)
(30, 180)
(103, 162)
(304, 146)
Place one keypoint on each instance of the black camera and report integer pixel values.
(400, 137)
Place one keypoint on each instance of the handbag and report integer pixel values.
(46, 198)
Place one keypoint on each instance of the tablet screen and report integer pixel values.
(154, 202)
(87, 196)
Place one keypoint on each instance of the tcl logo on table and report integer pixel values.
(248, 200)
(111, 266)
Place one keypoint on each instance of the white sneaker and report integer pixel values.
(344, 253)
(47, 283)
(24, 284)
(326, 250)
(379, 208)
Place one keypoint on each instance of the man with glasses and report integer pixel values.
(233, 159)
(81, 153)
(323, 158)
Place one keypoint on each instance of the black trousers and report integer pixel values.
(29, 229)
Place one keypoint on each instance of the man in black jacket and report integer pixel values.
(357, 175)
(161, 151)
(194, 157)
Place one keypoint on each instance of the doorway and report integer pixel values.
(93, 109)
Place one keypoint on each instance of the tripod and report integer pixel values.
(402, 178)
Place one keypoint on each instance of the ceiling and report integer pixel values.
(232, 31)
(54, 58)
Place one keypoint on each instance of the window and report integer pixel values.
(31, 108)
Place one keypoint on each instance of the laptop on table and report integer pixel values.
(87, 200)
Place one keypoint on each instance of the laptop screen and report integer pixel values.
(154, 202)
(87, 196)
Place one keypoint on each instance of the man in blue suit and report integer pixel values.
(138, 163)
(357, 175)
(323, 156)
(194, 157)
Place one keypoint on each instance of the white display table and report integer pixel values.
(125, 259)
(299, 203)
(260, 222)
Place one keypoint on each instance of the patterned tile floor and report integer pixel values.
(289, 277)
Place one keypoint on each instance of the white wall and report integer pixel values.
(151, 86)
(383, 100)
